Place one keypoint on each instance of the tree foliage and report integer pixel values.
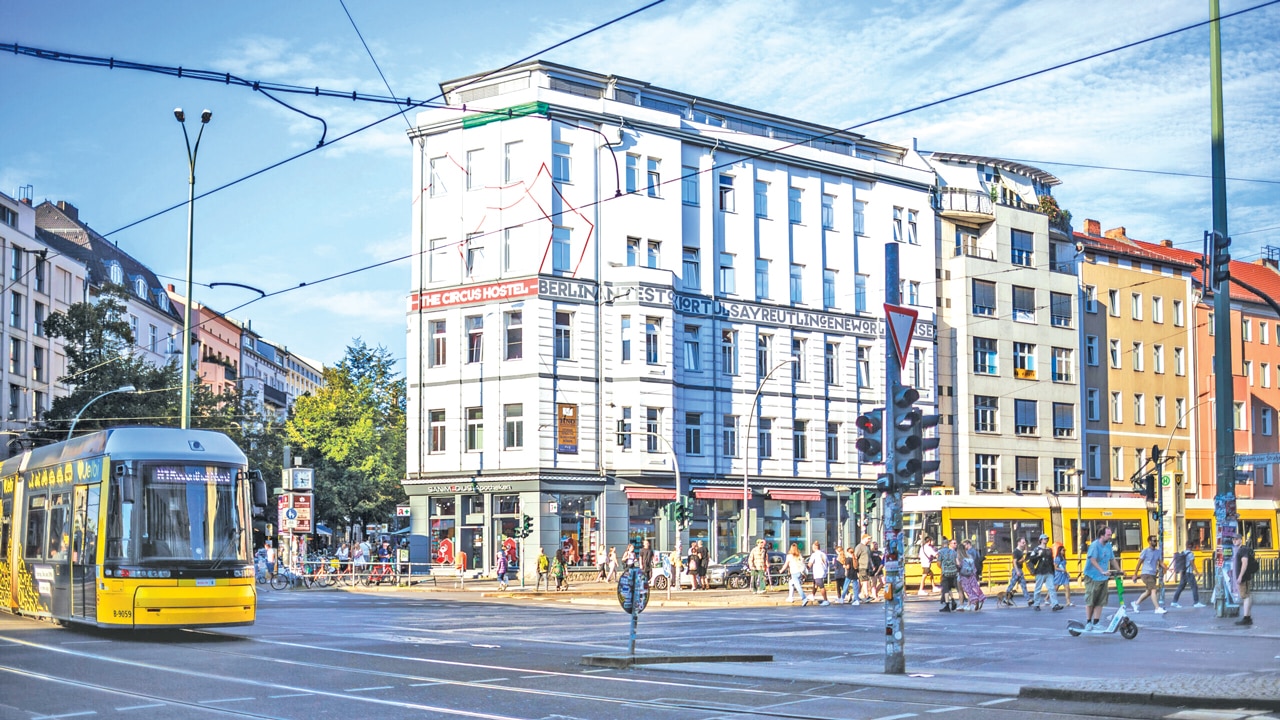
(352, 431)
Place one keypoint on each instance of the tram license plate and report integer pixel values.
(205, 582)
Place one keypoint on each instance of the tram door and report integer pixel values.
(84, 553)
(7, 590)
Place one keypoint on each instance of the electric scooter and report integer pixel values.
(1120, 621)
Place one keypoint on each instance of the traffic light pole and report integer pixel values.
(894, 658)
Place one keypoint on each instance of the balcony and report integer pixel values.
(975, 251)
(273, 396)
(961, 204)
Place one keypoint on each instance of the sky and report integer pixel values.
(106, 141)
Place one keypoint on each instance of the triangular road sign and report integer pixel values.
(901, 322)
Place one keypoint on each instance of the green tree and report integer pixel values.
(99, 348)
(352, 431)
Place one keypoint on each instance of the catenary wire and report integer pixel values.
(372, 59)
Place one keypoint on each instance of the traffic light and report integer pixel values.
(526, 527)
(1149, 488)
(871, 441)
(1220, 258)
(928, 467)
(870, 507)
(682, 513)
(906, 436)
(884, 483)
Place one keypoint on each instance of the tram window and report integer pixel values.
(4, 534)
(35, 527)
(59, 527)
(1126, 534)
(1199, 534)
(89, 553)
(997, 537)
(1256, 533)
(119, 528)
(915, 527)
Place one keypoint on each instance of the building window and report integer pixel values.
(1091, 404)
(897, 225)
(985, 354)
(762, 199)
(1063, 365)
(37, 364)
(626, 338)
(1266, 375)
(16, 303)
(507, 234)
(859, 217)
(1113, 302)
(798, 373)
(913, 237)
(475, 338)
(655, 177)
(797, 284)
(37, 324)
(473, 169)
(1064, 420)
(1179, 362)
(439, 259)
(512, 426)
(1178, 319)
(692, 269)
(831, 364)
(762, 279)
(439, 344)
(1117, 408)
(1246, 329)
(1026, 475)
(1064, 471)
(1090, 299)
(153, 338)
(1238, 416)
(560, 249)
(726, 193)
(42, 272)
(689, 185)
(515, 335)
(1157, 309)
(1113, 349)
(764, 440)
(800, 439)
(692, 348)
(15, 273)
(652, 427)
(475, 429)
(1094, 457)
(652, 337)
(437, 430)
(633, 251)
(1262, 324)
(793, 205)
(510, 161)
(1265, 421)
(1025, 420)
(1139, 361)
(117, 273)
(1135, 305)
(564, 335)
(763, 346)
(909, 291)
(1024, 361)
(986, 410)
(1024, 304)
(654, 253)
(1117, 463)
(730, 428)
(474, 260)
(728, 283)
(633, 172)
(1060, 309)
(624, 429)
(1023, 250)
(984, 297)
(1157, 358)
(1161, 419)
(828, 212)
(560, 161)
(693, 433)
(860, 293)
(833, 442)
(864, 366)
(435, 187)
(1180, 409)
(986, 473)
(729, 352)
(1091, 350)
(828, 288)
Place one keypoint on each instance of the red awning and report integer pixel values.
(794, 495)
(719, 494)
(649, 493)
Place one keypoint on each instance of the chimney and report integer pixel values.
(169, 287)
(1092, 228)
(1166, 243)
(1117, 233)
(26, 201)
(69, 210)
(1268, 262)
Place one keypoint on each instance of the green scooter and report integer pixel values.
(1120, 621)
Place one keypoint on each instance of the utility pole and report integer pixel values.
(1158, 459)
(894, 660)
(1224, 502)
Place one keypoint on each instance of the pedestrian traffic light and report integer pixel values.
(884, 483)
(1149, 488)
(1220, 258)
(871, 441)
(906, 435)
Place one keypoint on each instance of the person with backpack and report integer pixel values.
(1184, 564)
(1040, 561)
(949, 562)
(1016, 575)
(558, 570)
(969, 585)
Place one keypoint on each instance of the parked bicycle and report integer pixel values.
(380, 573)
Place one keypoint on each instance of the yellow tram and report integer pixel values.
(130, 527)
(998, 522)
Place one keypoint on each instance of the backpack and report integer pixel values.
(966, 566)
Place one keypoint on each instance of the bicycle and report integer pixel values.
(379, 573)
(286, 577)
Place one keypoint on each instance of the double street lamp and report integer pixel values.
(746, 450)
(205, 116)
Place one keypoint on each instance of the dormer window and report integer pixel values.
(117, 273)
(140, 287)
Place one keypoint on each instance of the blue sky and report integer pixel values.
(106, 141)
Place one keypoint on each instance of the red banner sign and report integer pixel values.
(506, 290)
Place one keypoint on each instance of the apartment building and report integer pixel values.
(612, 281)
(215, 344)
(1008, 329)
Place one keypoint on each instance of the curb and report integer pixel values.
(627, 661)
(1148, 698)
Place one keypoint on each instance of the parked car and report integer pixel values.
(732, 572)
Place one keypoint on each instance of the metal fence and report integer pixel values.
(1265, 578)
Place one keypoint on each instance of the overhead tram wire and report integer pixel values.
(1139, 170)
(372, 59)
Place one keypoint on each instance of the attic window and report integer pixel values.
(140, 287)
(117, 273)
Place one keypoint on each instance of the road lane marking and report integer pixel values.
(65, 715)
(942, 660)
(997, 701)
(226, 700)
(139, 707)
(367, 689)
(946, 709)
(896, 717)
(287, 695)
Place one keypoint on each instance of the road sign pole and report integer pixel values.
(894, 658)
(636, 578)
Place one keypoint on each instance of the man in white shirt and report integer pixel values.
(818, 566)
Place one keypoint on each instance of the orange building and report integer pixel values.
(215, 342)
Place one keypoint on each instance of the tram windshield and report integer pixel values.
(190, 512)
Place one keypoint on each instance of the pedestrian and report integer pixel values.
(704, 562)
(460, 567)
(862, 564)
(613, 566)
(758, 566)
(818, 565)
(544, 571)
(1060, 577)
(1150, 566)
(558, 570)
(969, 585)
(1016, 575)
(500, 567)
(645, 558)
(794, 568)
(694, 562)
(949, 564)
(928, 555)
(876, 571)
(1184, 564)
(1099, 563)
(848, 593)
(1246, 566)
(1040, 561)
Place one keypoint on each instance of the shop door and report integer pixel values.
(471, 541)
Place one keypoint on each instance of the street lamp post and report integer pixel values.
(839, 527)
(746, 448)
(122, 388)
(675, 465)
(192, 151)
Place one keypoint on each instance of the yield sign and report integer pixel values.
(901, 322)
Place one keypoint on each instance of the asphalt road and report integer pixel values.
(408, 654)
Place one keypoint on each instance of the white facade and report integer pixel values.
(661, 255)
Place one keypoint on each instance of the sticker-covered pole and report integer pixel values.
(894, 660)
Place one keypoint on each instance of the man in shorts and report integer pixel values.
(1245, 567)
(1099, 563)
(1150, 566)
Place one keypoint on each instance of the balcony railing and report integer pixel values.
(964, 201)
(974, 251)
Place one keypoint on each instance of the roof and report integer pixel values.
(1036, 174)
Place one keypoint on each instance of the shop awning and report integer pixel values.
(719, 494)
(649, 493)
(794, 495)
